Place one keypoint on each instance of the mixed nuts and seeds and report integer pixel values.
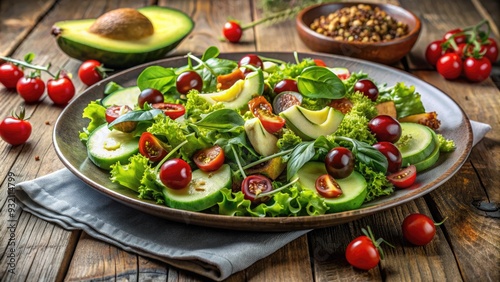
(362, 23)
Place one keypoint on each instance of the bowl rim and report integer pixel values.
(414, 32)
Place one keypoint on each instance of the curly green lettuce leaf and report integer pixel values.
(446, 145)
(288, 140)
(377, 182)
(406, 99)
(355, 76)
(97, 115)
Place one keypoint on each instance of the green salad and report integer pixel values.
(261, 137)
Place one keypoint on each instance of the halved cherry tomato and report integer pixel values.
(113, 112)
(172, 111)
(209, 159)
(327, 186)
(262, 109)
(151, 147)
(254, 185)
(403, 178)
(319, 62)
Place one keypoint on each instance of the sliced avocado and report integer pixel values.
(262, 141)
(170, 26)
(237, 96)
(310, 125)
(272, 168)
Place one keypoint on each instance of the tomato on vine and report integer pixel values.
(60, 89)
(31, 87)
(15, 129)
(91, 72)
(364, 252)
(232, 31)
(449, 66)
(10, 75)
(477, 69)
(419, 229)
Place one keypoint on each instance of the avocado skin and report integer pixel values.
(118, 59)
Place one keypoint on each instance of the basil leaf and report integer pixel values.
(320, 82)
(211, 52)
(160, 78)
(139, 115)
(217, 67)
(302, 153)
(370, 156)
(223, 120)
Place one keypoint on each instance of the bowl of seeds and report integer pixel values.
(382, 33)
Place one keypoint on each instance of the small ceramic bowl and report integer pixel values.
(388, 52)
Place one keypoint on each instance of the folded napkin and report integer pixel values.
(64, 199)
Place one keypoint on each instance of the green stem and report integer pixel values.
(265, 159)
(285, 13)
(202, 63)
(28, 65)
(158, 166)
(238, 162)
(270, 193)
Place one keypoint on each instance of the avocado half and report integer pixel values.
(171, 26)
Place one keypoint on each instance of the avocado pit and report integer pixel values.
(122, 24)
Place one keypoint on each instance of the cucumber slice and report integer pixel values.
(126, 96)
(419, 146)
(432, 158)
(106, 147)
(354, 187)
(202, 193)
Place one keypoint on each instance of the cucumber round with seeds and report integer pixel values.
(126, 96)
(418, 146)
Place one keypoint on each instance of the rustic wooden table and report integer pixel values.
(466, 247)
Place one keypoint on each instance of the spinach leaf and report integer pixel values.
(302, 153)
(370, 156)
(320, 82)
(140, 115)
(211, 52)
(223, 120)
(213, 68)
(160, 78)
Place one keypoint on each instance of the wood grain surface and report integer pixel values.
(466, 246)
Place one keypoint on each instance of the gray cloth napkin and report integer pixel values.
(64, 199)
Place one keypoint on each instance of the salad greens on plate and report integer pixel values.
(261, 137)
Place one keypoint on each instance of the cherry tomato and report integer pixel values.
(261, 108)
(392, 153)
(339, 162)
(433, 52)
(30, 88)
(172, 111)
(286, 85)
(403, 178)
(327, 187)
(491, 50)
(418, 229)
(232, 31)
(150, 96)
(477, 69)
(449, 66)
(91, 72)
(362, 253)
(457, 34)
(225, 81)
(152, 148)
(319, 62)
(176, 174)
(187, 81)
(114, 112)
(255, 184)
(368, 88)
(15, 129)
(209, 159)
(250, 59)
(385, 128)
(10, 75)
(60, 90)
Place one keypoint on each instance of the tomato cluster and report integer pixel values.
(468, 53)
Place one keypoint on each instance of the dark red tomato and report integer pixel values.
(209, 159)
(319, 62)
(91, 72)
(418, 229)
(403, 178)
(385, 128)
(457, 34)
(60, 90)
(368, 88)
(232, 31)
(362, 253)
(286, 85)
(449, 66)
(10, 75)
(250, 59)
(255, 184)
(327, 187)
(391, 152)
(176, 174)
(490, 48)
(151, 147)
(30, 88)
(477, 69)
(15, 129)
(187, 81)
(150, 96)
(433, 52)
(339, 162)
(261, 109)
(114, 112)
(172, 111)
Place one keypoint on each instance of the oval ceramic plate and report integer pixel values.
(454, 125)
